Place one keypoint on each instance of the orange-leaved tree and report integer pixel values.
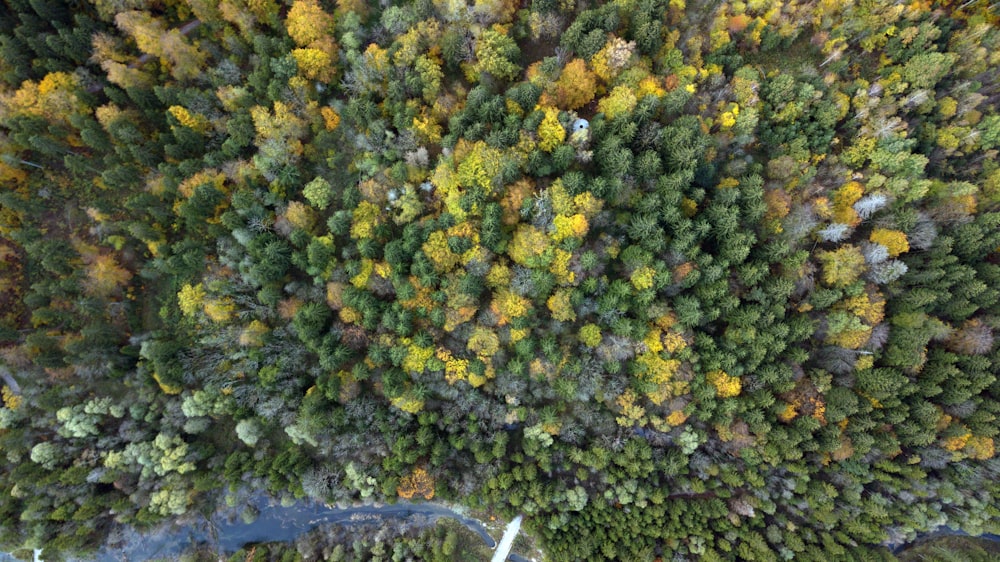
(416, 483)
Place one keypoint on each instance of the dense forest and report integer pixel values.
(674, 279)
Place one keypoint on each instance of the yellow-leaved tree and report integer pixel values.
(508, 305)
(590, 335)
(54, 98)
(307, 23)
(726, 386)
(530, 247)
(190, 299)
(842, 266)
(483, 342)
(312, 30)
(551, 133)
(843, 203)
(104, 275)
(576, 85)
(560, 306)
(314, 63)
(299, 215)
(621, 100)
(893, 240)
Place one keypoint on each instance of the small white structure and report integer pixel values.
(580, 125)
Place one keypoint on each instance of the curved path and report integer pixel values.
(9, 379)
(274, 523)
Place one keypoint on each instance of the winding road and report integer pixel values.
(277, 523)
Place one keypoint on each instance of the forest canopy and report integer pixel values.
(674, 279)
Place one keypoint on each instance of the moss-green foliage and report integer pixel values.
(739, 301)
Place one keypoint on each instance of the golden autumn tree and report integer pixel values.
(726, 385)
(576, 85)
(980, 447)
(530, 247)
(359, 7)
(643, 278)
(299, 215)
(54, 97)
(479, 165)
(621, 100)
(658, 370)
(186, 60)
(513, 199)
(193, 121)
(437, 250)
(331, 119)
(366, 217)
(314, 63)
(253, 334)
(508, 305)
(282, 123)
(408, 403)
(496, 53)
(850, 336)
(144, 29)
(868, 307)
(631, 413)
(11, 400)
(778, 206)
(220, 309)
(460, 307)
(495, 11)
(105, 275)
(312, 30)
(893, 240)
(843, 203)
(560, 306)
(567, 226)
(307, 22)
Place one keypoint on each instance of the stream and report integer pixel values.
(274, 523)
